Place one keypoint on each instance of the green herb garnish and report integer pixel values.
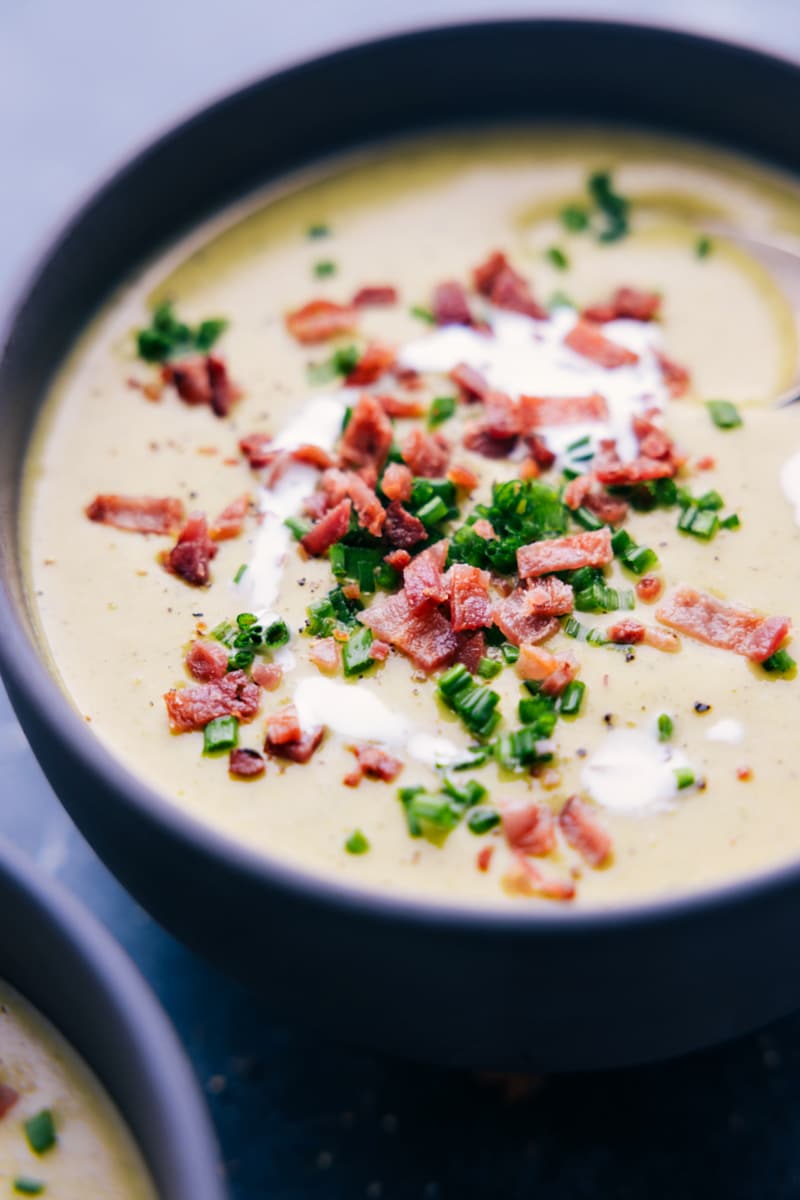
(574, 217)
(357, 843)
(572, 698)
(474, 703)
(24, 1186)
(613, 207)
(240, 573)
(324, 268)
(40, 1131)
(781, 662)
(356, 657)
(220, 734)
(166, 337)
(422, 314)
(665, 727)
(481, 820)
(557, 258)
(318, 231)
(724, 414)
(441, 410)
(488, 668)
(340, 364)
(637, 559)
(703, 246)
(684, 777)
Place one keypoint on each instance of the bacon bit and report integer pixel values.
(138, 514)
(591, 549)
(484, 528)
(423, 579)
(539, 450)
(649, 588)
(353, 778)
(377, 763)
(661, 639)
(427, 454)
(527, 880)
(374, 362)
(151, 389)
(627, 631)
(587, 491)
(397, 481)
(246, 764)
(536, 663)
(399, 559)
(450, 305)
(324, 653)
(311, 456)
(352, 590)
(583, 833)
(529, 469)
(192, 707)
(203, 381)
(257, 449)
(501, 415)
(426, 637)
(401, 528)
(230, 522)
(461, 477)
(8, 1098)
(404, 407)
(192, 553)
(329, 529)
(676, 377)
(549, 597)
(470, 607)
(727, 626)
(518, 624)
(206, 660)
(480, 440)
(484, 858)
(627, 303)
(368, 437)
(284, 726)
(556, 682)
(379, 651)
(299, 751)
(320, 320)
(375, 296)
(471, 649)
(611, 470)
(561, 410)
(224, 393)
(369, 510)
(530, 828)
(587, 340)
(745, 774)
(267, 675)
(706, 463)
(472, 383)
(506, 288)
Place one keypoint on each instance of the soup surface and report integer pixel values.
(611, 733)
(60, 1136)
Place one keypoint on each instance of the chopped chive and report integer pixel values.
(587, 518)
(581, 441)
(220, 734)
(318, 230)
(481, 820)
(475, 703)
(423, 314)
(40, 1131)
(637, 559)
(557, 257)
(357, 843)
(489, 667)
(572, 698)
(324, 268)
(240, 573)
(599, 597)
(699, 522)
(441, 409)
(703, 246)
(560, 299)
(730, 522)
(276, 634)
(724, 414)
(356, 657)
(454, 679)
(434, 511)
(298, 526)
(665, 727)
(574, 217)
(520, 748)
(781, 662)
(539, 712)
(167, 337)
(684, 777)
(614, 207)
(509, 652)
(468, 794)
(24, 1186)
(710, 500)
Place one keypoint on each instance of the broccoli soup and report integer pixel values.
(429, 523)
(60, 1136)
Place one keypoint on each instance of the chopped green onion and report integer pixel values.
(665, 727)
(356, 657)
(703, 246)
(557, 257)
(318, 231)
(423, 314)
(509, 652)
(574, 217)
(579, 443)
(406, 795)
(357, 843)
(637, 559)
(324, 268)
(454, 679)
(24, 1186)
(599, 597)
(724, 414)
(684, 777)
(489, 667)
(166, 337)
(587, 518)
(572, 698)
(434, 511)
(432, 817)
(276, 634)
(614, 207)
(240, 573)
(441, 409)
(710, 500)
(731, 522)
(481, 820)
(220, 734)
(781, 662)
(699, 522)
(40, 1131)
(519, 749)
(342, 362)
(467, 795)
(474, 703)
(298, 526)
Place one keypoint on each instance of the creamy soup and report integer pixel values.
(60, 1136)
(611, 732)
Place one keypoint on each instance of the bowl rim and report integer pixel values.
(22, 665)
(162, 1064)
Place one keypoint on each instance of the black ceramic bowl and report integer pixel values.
(61, 960)
(514, 989)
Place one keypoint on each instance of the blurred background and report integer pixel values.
(81, 84)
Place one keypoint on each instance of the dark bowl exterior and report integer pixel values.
(514, 990)
(62, 961)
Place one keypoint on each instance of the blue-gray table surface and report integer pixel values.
(298, 1117)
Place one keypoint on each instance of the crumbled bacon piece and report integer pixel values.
(536, 663)
(139, 514)
(744, 774)
(591, 549)
(8, 1098)
(479, 438)
(472, 383)
(284, 726)
(535, 411)
(224, 392)
(587, 492)
(404, 407)
(470, 606)
(627, 303)
(193, 707)
(423, 578)
(267, 675)
(649, 588)
(706, 463)
(506, 288)
(368, 437)
(501, 415)
(549, 597)
(401, 528)
(426, 636)
(396, 482)
(311, 456)
(587, 340)
(530, 828)
(230, 522)
(320, 320)
(727, 626)
(527, 880)
(582, 831)
(461, 477)
(369, 510)
(375, 296)
(374, 362)
(376, 762)
(427, 454)
(471, 649)
(450, 305)
(206, 660)
(246, 764)
(191, 555)
(515, 620)
(627, 631)
(484, 858)
(661, 639)
(539, 451)
(328, 529)
(676, 377)
(202, 381)
(257, 449)
(379, 651)
(301, 749)
(611, 470)
(324, 653)
(399, 559)
(484, 528)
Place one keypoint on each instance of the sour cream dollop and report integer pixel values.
(632, 772)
